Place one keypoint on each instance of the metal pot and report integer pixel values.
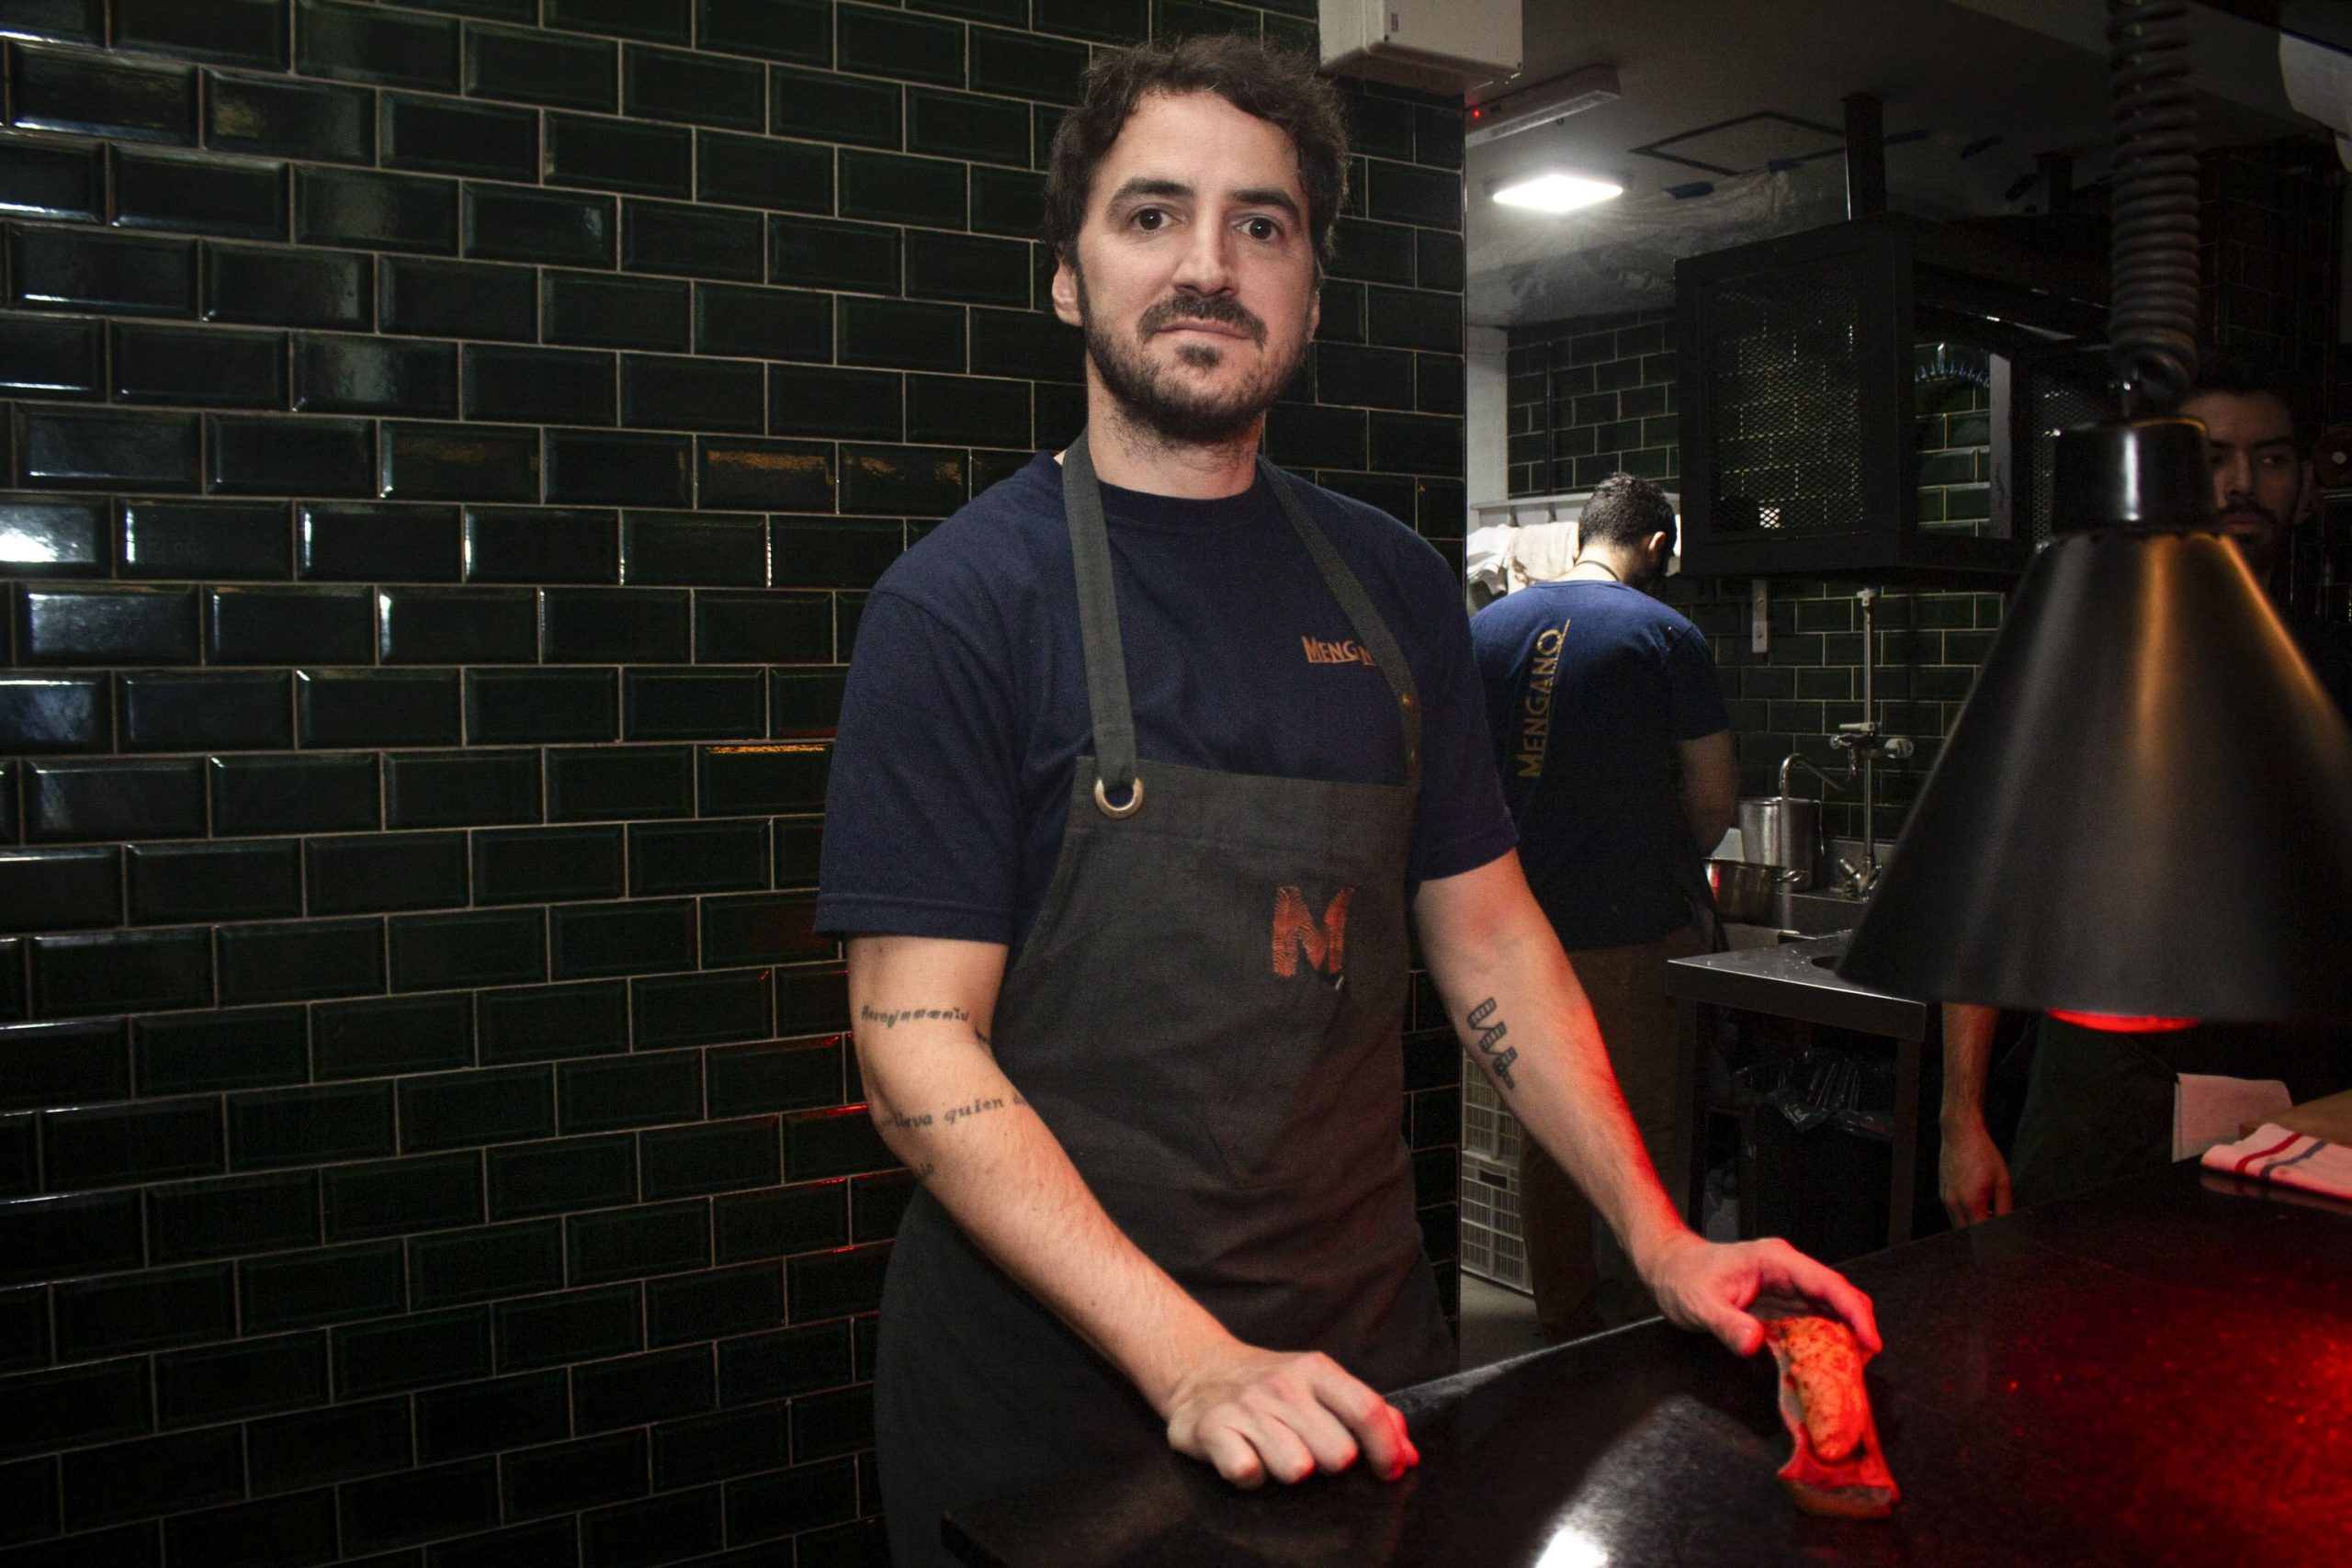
(1744, 890)
(1781, 830)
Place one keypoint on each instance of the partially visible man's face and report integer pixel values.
(2261, 481)
(1195, 271)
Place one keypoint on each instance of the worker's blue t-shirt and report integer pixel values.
(966, 711)
(1589, 685)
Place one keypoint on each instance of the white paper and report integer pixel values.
(2209, 1110)
(2319, 83)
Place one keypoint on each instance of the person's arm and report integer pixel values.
(1710, 787)
(924, 1010)
(1516, 1004)
(1973, 1177)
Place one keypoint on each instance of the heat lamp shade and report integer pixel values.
(2144, 808)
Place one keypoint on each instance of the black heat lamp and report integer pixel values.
(2143, 816)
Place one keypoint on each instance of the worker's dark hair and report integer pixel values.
(2244, 373)
(1277, 85)
(1625, 511)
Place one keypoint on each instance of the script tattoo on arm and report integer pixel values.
(1490, 1035)
(896, 1016)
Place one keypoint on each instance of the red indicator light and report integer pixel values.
(2119, 1024)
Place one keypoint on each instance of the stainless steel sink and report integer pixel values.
(1820, 913)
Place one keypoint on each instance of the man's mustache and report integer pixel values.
(1201, 308)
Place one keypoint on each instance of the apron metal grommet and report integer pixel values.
(1135, 798)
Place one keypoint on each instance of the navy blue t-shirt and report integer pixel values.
(1588, 687)
(965, 709)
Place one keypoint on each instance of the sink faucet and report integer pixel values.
(1797, 760)
(1865, 743)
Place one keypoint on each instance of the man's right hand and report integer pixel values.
(1975, 1179)
(1254, 1412)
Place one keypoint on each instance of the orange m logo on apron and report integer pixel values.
(1295, 931)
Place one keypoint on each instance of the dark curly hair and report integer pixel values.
(1277, 85)
(1625, 511)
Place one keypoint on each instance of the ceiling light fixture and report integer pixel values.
(1553, 191)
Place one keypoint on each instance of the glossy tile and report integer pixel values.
(738, 473)
(160, 711)
(681, 549)
(66, 713)
(713, 1156)
(155, 1475)
(691, 241)
(890, 187)
(602, 1094)
(384, 871)
(697, 89)
(368, 543)
(759, 171)
(559, 1177)
(722, 1302)
(616, 312)
(622, 1244)
(334, 1444)
(68, 449)
(453, 625)
(291, 795)
(700, 704)
(556, 1329)
(620, 156)
(58, 1065)
(817, 401)
(454, 789)
(190, 192)
(664, 21)
(1027, 345)
(310, 119)
(820, 106)
(58, 890)
(539, 865)
(760, 927)
(541, 1023)
(308, 455)
(907, 481)
(454, 1109)
(46, 179)
(372, 708)
(641, 781)
(113, 799)
(484, 1264)
(780, 1222)
(438, 952)
(308, 1126)
(291, 962)
(398, 1197)
(595, 626)
(1006, 201)
(772, 29)
(781, 777)
(1023, 66)
(108, 1146)
(590, 940)
(130, 100)
(204, 540)
(47, 1239)
(451, 462)
(804, 703)
(469, 299)
(392, 212)
(529, 67)
(512, 223)
(450, 138)
(252, 1048)
(554, 385)
(766, 323)
(505, 706)
(701, 1010)
(133, 275)
(963, 125)
(257, 1377)
(969, 268)
(252, 879)
(364, 44)
(890, 43)
(46, 358)
(375, 376)
(664, 392)
(287, 289)
(149, 1311)
(288, 626)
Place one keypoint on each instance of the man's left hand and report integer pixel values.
(1709, 1285)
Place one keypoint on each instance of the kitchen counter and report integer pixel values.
(1796, 979)
(2157, 1374)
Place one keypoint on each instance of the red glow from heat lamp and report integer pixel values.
(2123, 1023)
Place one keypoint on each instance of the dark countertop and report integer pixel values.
(1790, 981)
(2156, 1374)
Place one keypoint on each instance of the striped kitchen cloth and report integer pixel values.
(2271, 1153)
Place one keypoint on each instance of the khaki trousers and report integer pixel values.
(1583, 1281)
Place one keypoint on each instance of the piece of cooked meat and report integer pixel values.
(1835, 1467)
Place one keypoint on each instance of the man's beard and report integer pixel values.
(1155, 397)
(2261, 547)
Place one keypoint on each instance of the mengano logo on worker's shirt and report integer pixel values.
(1320, 651)
(1297, 934)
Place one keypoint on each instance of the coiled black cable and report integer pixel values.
(2151, 244)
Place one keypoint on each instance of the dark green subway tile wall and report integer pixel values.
(446, 446)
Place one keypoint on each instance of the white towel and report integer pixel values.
(2290, 1159)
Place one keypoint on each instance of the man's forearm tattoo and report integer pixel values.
(1490, 1036)
(892, 1018)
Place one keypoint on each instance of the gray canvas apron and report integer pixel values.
(1207, 1014)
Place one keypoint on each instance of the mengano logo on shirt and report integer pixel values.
(1321, 651)
(1297, 934)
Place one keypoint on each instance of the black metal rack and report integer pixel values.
(1796, 368)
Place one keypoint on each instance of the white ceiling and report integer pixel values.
(1991, 83)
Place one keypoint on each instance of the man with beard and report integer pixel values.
(1144, 756)
(1608, 720)
(2098, 1105)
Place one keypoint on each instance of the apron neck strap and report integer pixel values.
(1106, 662)
(1369, 630)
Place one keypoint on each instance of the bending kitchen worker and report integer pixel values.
(1147, 756)
(2098, 1105)
(1616, 754)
